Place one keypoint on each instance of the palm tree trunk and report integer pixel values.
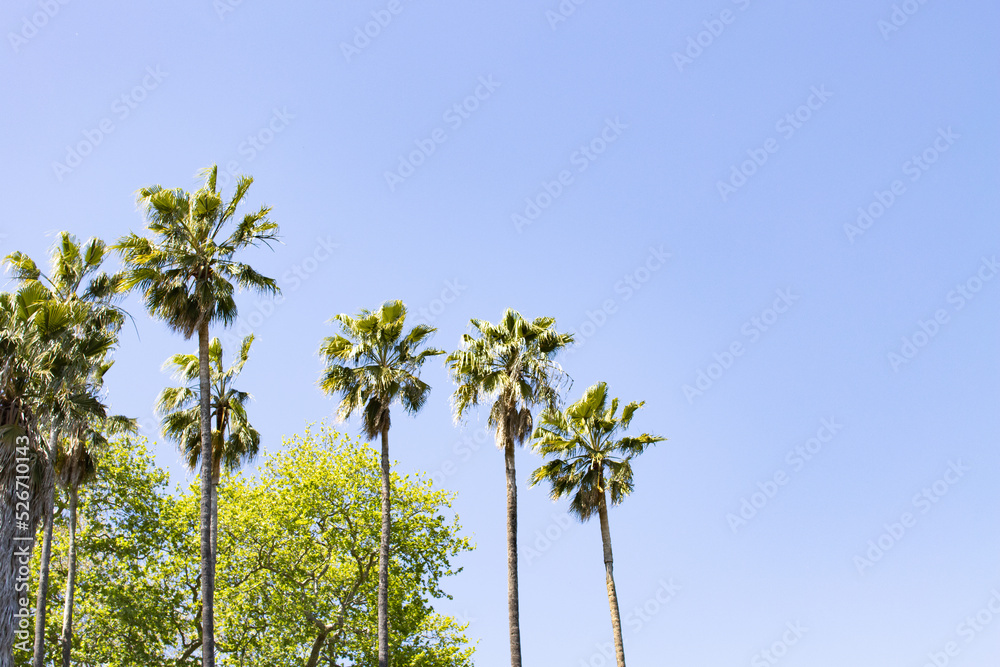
(207, 554)
(383, 558)
(216, 474)
(66, 638)
(215, 516)
(215, 510)
(616, 621)
(43, 583)
(513, 613)
(215, 521)
(43, 571)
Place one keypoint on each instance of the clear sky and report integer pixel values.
(776, 223)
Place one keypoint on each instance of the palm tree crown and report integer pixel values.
(74, 277)
(234, 440)
(88, 299)
(186, 271)
(372, 363)
(512, 363)
(32, 327)
(587, 460)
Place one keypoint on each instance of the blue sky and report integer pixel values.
(789, 208)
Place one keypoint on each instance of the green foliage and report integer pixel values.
(131, 541)
(297, 563)
(302, 581)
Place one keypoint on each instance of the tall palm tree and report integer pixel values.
(234, 440)
(511, 364)
(184, 273)
(77, 466)
(372, 365)
(73, 280)
(36, 348)
(588, 464)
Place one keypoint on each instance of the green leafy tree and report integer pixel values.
(301, 587)
(234, 440)
(372, 364)
(186, 273)
(510, 366)
(590, 463)
(299, 547)
(138, 593)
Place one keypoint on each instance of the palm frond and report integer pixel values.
(372, 364)
(587, 461)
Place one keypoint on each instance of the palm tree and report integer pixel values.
(234, 440)
(36, 349)
(588, 464)
(184, 273)
(72, 264)
(77, 466)
(372, 365)
(511, 364)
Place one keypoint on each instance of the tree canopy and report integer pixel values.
(296, 579)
